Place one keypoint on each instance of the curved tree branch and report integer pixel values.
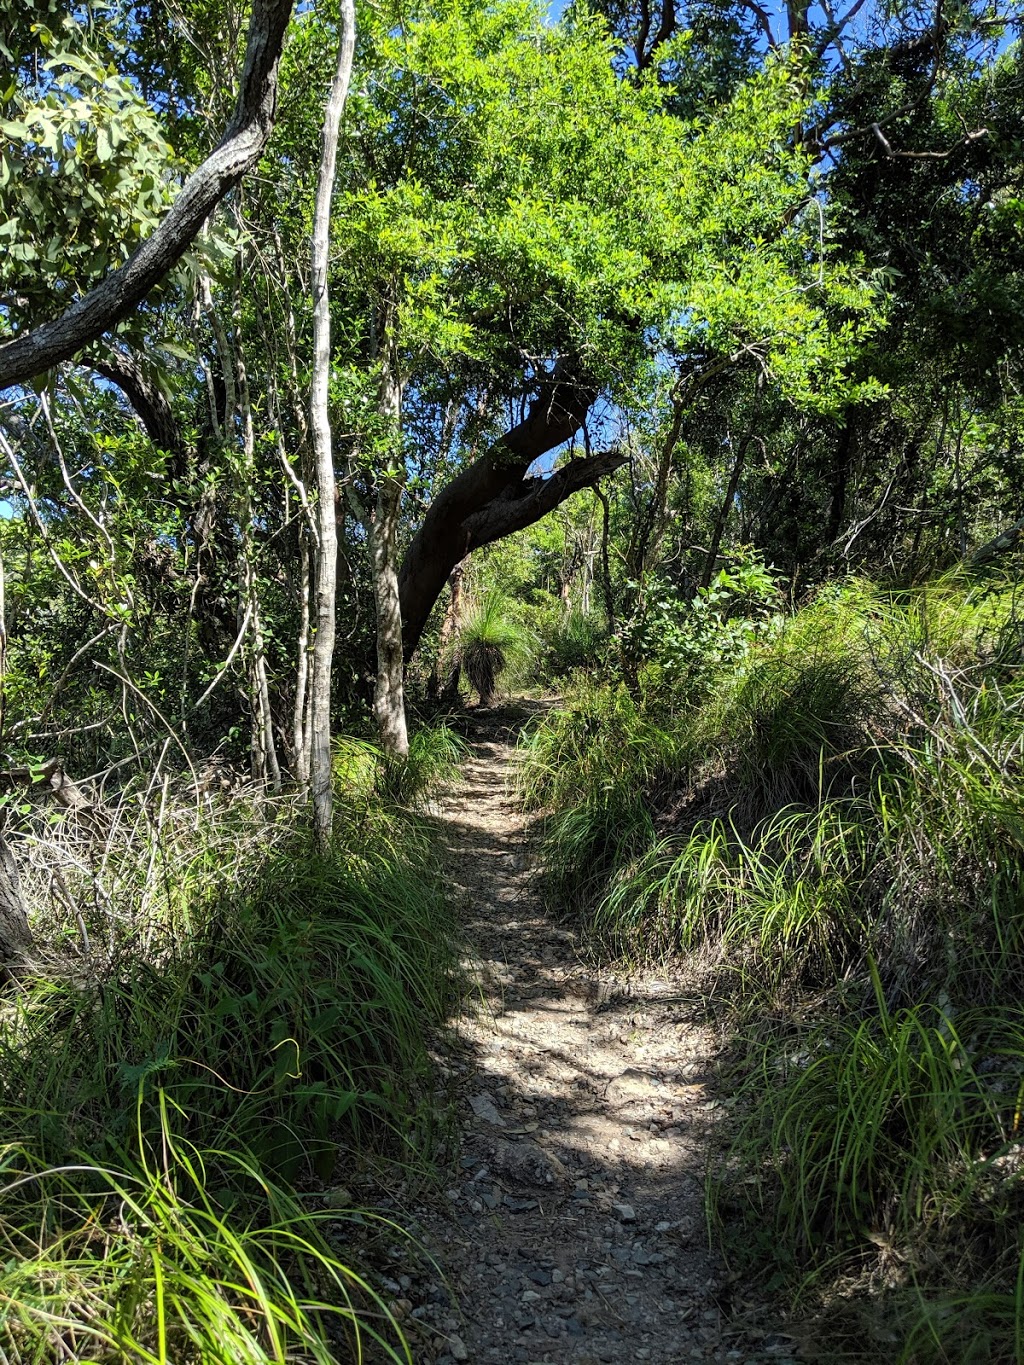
(115, 297)
(522, 504)
(148, 402)
(447, 532)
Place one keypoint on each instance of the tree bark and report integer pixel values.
(15, 935)
(447, 644)
(382, 537)
(389, 687)
(492, 498)
(327, 524)
(117, 296)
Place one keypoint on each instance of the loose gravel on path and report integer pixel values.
(575, 1230)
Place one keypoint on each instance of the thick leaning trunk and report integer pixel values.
(493, 498)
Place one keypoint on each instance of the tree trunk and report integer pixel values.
(300, 731)
(723, 513)
(492, 498)
(389, 687)
(15, 935)
(327, 524)
(446, 648)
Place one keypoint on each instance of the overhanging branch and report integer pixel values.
(523, 504)
(120, 293)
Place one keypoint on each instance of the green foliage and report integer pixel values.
(243, 1016)
(367, 775)
(692, 642)
(569, 640)
(85, 171)
(288, 1013)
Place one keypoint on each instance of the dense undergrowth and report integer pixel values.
(229, 1025)
(823, 813)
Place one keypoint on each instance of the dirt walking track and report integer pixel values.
(575, 1230)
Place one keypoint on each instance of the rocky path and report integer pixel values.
(575, 1231)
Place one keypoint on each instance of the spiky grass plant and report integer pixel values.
(141, 1263)
(490, 640)
(898, 1134)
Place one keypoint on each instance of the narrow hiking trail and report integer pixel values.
(575, 1230)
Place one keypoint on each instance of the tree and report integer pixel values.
(320, 425)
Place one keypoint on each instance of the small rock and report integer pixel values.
(483, 1107)
(626, 1212)
(457, 1349)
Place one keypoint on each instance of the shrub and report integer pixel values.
(489, 641)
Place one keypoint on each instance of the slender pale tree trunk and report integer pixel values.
(15, 935)
(323, 457)
(389, 688)
(300, 728)
(265, 766)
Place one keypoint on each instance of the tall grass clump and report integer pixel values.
(829, 832)
(569, 641)
(491, 641)
(377, 781)
(594, 792)
(223, 1016)
(145, 1265)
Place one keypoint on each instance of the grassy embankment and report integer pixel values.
(224, 1026)
(828, 826)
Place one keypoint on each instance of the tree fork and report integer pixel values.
(492, 498)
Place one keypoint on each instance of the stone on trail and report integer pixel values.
(483, 1107)
(527, 1164)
